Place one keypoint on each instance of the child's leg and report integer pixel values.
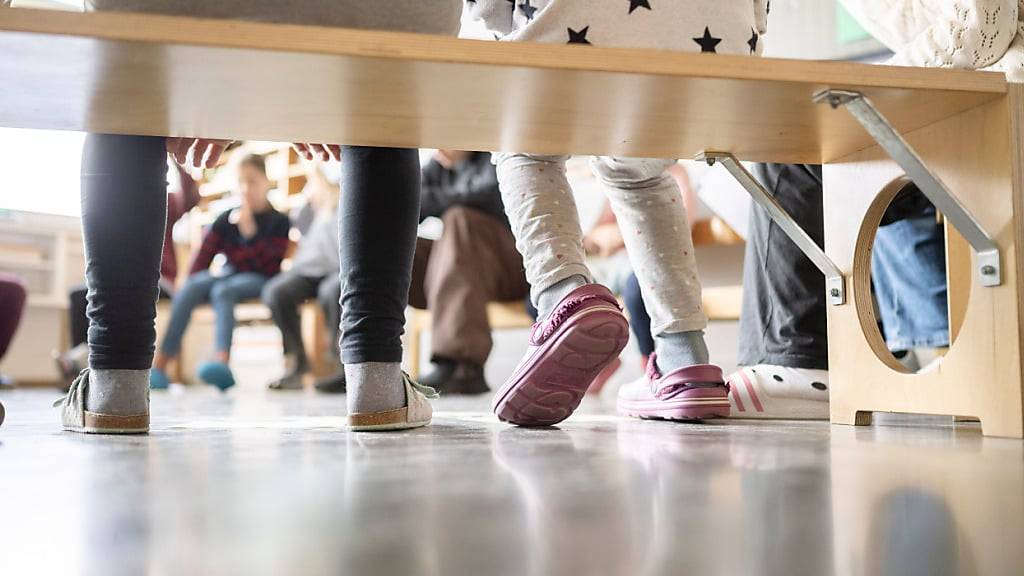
(542, 211)
(652, 217)
(379, 214)
(581, 328)
(224, 296)
(192, 294)
(124, 212)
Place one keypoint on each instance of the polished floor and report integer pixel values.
(253, 483)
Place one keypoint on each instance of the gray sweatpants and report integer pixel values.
(649, 207)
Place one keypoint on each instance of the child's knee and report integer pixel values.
(223, 293)
(630, 173)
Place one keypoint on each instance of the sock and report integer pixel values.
(549, 298)
(680, 349)
(118, 392)
(374, 387)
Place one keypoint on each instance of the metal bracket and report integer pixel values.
(988, 260)
(835, 282)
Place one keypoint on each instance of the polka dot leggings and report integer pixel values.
(650, 212)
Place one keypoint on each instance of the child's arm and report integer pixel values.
(761, 8)
(496, 15)
(212, 245)
(968, 34)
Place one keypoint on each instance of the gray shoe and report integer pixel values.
(76, 418)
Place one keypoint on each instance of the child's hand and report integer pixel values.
(196, 152)
(247, 222)
(322, 152)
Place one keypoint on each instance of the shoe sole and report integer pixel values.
(114, 425)
(782, 409)
(108, 431)
(390, 421)
(688, 410)
(557, 378)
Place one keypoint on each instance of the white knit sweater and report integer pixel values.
(971, 34)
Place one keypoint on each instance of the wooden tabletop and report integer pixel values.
(157, 75)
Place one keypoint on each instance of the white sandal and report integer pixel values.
(415, 414)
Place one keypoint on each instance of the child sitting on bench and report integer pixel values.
(254, 239)
(581, 328)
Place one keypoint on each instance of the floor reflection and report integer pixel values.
(274, 485)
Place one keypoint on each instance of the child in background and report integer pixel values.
(581, 328)
(254, 239)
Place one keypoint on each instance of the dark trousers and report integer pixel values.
(283, 295)
(639, 319)
(78, 302)
(783, 316)
(378, 216)
(12, 305)
(124, 212)
(474, 262)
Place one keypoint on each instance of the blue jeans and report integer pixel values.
(223, 292)
(909, 276)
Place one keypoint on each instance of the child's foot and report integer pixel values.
(691, 393)
(333, 384)
(118, 403)
(779, 392)
(216, 374)
(290, 381)
(158, 379)
(415, 413)
(583, 335)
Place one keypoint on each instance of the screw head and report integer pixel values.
(988, 270)
(834, 292)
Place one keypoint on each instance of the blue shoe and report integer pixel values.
(158, 379)
(216, 374)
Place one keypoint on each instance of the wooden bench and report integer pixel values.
(137, 74)
(198, 342)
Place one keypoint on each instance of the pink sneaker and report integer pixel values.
(585, 333)
(691, 393)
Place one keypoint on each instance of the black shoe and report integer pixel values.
(457, 378)
(333, 384)
(290, 381)
(442, 373)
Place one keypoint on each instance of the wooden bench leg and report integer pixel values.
(979, 154)
(414, 339)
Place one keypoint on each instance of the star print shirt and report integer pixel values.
(719, 26)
